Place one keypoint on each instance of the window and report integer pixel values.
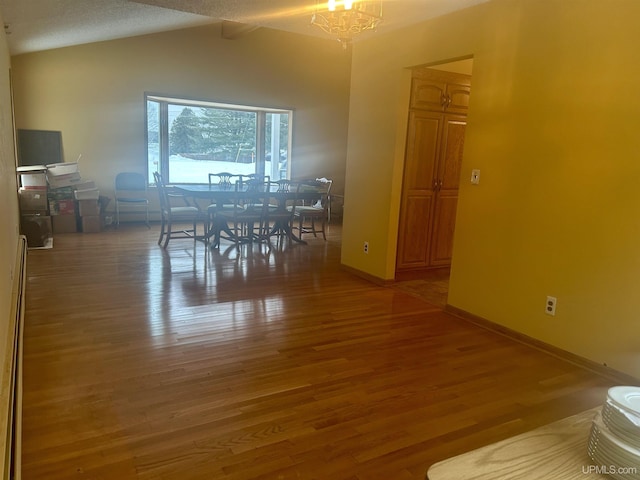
(187, 139)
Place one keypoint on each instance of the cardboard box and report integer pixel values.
(87, 194)
(91, 223)
(88, 207)
(33, 201)
(64, 193)
(32, 177)
(37, 229)
(62, 207)
(64, 224)
(68, 180)
(85, 185)
(60, 169)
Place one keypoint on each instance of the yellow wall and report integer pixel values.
(552, 126)
(94, 93)
(555, 108)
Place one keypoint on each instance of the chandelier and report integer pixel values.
(344, 19)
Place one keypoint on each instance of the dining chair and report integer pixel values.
(282, 186)
(277, 186)
(131, 193)
(245, 220)
(224, 180)
(308, 214)
(172, 214)
(278, 214)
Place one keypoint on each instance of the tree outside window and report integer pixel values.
(203, 139)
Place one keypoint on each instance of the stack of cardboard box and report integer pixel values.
(35, 222)
(56, 199)
(73, 201)
(90, 218)
(88, 198)
(62, 178)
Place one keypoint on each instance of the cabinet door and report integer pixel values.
(457, 95)
(440, 91)
(428, 94)
(418, 189)
(446, 202)
(444, 224)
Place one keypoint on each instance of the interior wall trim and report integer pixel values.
(367, 276)
(603, 370)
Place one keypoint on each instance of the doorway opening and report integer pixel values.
(433, 157)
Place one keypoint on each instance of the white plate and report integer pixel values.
(627, 398)
(622, 416)
(621, 423)
(603, 441)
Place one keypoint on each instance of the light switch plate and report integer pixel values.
(475, 176)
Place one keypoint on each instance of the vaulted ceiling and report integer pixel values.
(34, 25)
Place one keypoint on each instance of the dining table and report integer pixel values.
(221, 194)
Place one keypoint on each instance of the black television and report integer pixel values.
(39, 147)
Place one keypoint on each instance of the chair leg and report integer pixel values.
(208, 225)
(169, 229)
(195, 221)
(238, 232)
(162, 227)
(147, 216)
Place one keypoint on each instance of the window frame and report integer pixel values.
(164, 128)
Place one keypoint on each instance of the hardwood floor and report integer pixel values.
(430, 285)
(268, 364)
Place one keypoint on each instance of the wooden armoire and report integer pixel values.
(435, 141)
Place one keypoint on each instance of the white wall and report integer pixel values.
(94, 93)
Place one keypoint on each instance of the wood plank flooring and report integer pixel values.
(192, 363)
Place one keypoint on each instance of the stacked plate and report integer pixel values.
(614, 442)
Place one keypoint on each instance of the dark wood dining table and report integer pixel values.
(225, 194)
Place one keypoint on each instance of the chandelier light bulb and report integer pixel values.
(345, 19)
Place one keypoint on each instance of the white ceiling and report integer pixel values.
(33, 25)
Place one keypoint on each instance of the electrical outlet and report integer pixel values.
(365, 248)
(550, 308)
(475, 176)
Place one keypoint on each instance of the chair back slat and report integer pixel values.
(162, 193)
(224, 179)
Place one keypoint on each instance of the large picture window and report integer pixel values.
(187, 139)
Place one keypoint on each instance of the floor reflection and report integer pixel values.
(192, 285)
